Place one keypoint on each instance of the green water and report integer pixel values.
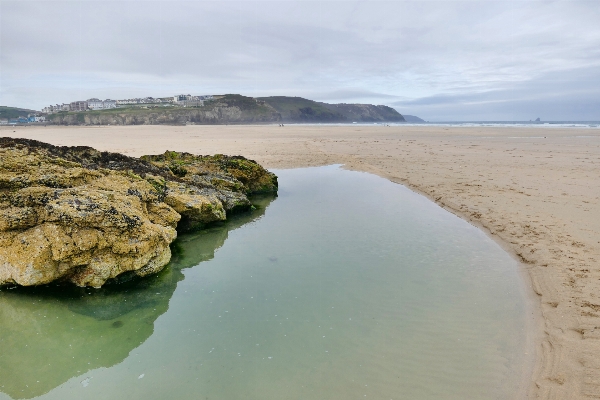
(346, 286)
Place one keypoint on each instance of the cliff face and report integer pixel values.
(84, 216)
(366, 112)
(221, 114)
(235, 109)
(297, 109)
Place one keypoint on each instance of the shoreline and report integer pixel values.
(535, 196)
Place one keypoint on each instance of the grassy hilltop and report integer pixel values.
(298, 109)
(14, 112)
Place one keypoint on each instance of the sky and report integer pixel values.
(439, 60)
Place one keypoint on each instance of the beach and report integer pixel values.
(534, 190)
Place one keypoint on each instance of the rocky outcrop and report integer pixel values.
(114, 319)
(76, 214)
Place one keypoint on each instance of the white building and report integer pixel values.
(108, 103)
(56, 108)
(125, 102)
(97, 104)
(187, 100)
(40, 118)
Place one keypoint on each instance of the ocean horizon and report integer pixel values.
(528, 124)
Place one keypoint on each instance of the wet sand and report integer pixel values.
(534, 190)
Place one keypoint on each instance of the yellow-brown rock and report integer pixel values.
(83, 216)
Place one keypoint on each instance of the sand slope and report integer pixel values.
(537, 190)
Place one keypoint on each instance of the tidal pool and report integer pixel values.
(345, 286)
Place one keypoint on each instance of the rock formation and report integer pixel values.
(76, 214)
(104, 325)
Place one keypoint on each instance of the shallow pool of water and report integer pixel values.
(346, 286)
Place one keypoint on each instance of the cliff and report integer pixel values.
(229, 109)
(366, 112)
(298, 109)
(234, 109)
(79, 215)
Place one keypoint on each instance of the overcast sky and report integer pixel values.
(440, 60)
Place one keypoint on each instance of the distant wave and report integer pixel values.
(516, 124)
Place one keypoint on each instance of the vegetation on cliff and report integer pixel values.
(234, 109)
(14, 112)
(85, 216)
(227, 109)
(298, 109)
(366, 112)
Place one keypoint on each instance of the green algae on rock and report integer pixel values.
(61, 331)
(236, 173)
(80, 215)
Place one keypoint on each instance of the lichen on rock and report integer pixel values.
(76, 214)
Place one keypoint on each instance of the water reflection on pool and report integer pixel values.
(346, 286)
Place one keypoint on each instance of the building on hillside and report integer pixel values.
(35, 118)
(187, 100)
(126, 102)
(3, 122)
(78, 106)
(151, 100)
(165, 99)
(182, 97)
(97, 104)
(55, 108)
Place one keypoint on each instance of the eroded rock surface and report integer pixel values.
(84, 216)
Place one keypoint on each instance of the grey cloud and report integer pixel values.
(431, 56)
(552, 96)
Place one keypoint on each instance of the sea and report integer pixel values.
(498, 124)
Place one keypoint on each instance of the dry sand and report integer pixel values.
(535, 190)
